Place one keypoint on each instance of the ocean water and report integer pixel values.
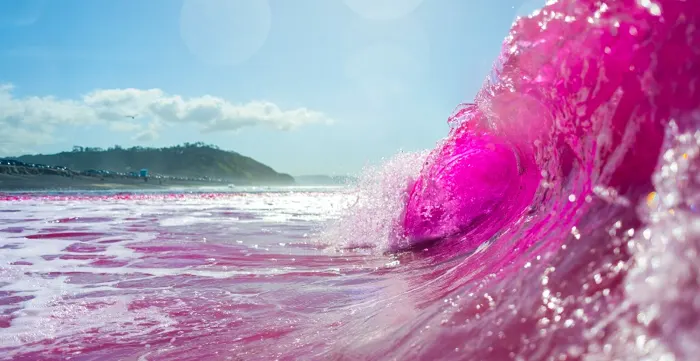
(557, 220)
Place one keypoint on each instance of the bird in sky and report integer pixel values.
(131, 116)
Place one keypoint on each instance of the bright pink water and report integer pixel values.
(557, 221)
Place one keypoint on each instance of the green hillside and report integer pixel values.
(187, 160)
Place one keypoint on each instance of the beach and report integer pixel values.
(39, 182)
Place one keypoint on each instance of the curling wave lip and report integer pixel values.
(470, 180)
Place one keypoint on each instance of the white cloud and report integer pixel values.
(33, 118)
(15, 141)
(149, 133)
(128, 127)
(209, 112)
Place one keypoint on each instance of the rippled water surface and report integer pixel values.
(170, 276)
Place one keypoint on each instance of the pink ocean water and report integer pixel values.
(556, 221)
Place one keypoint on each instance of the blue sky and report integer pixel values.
(305, 86)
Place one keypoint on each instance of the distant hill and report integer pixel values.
(187, 160)
(324, 180)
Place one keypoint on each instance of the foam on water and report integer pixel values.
(378, 201)
(540, 178)
(75, 265)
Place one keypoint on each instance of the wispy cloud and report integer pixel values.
(33, 118)
(209, 112)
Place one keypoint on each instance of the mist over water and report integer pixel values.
(556, 221)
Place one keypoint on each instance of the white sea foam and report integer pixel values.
(378, 200)
(44, 270)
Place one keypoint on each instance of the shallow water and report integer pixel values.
(556, 221)
(168, 276)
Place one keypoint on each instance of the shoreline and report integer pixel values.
(50, 182)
